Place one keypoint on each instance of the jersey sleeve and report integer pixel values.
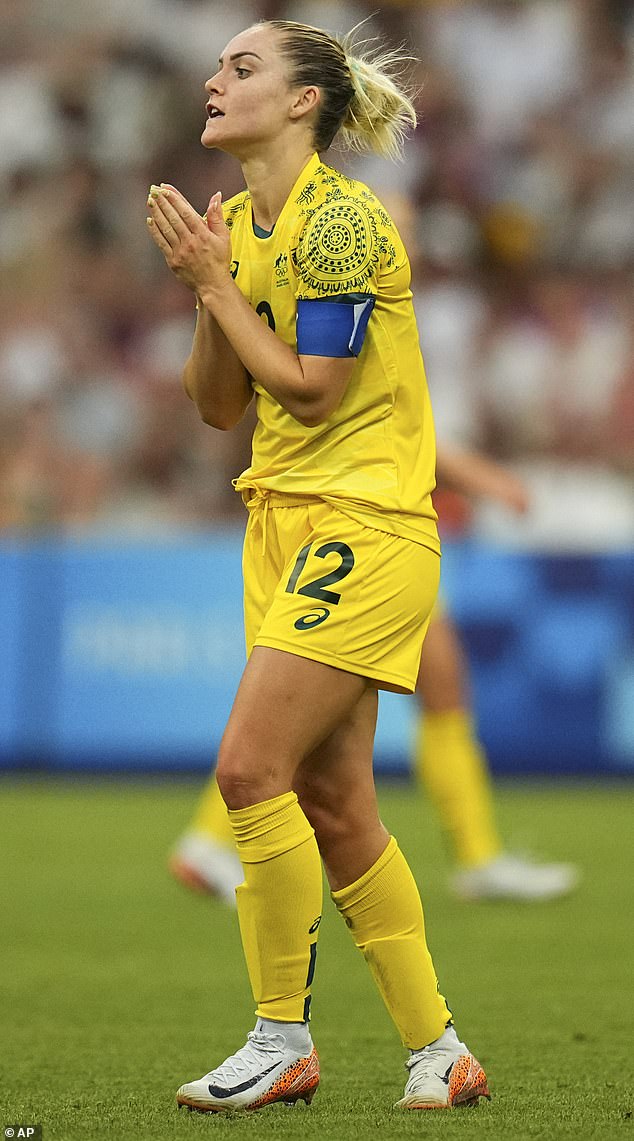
(338, 250)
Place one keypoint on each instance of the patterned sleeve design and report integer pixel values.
(232, 210)
(339, 250)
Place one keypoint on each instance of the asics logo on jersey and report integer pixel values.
(314, 618)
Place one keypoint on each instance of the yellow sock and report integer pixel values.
(279, 904)
(385, 916)
(211, 815)
(452, 767)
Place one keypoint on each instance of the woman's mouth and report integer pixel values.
(213, 112)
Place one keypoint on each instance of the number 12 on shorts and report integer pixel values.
(316, 588)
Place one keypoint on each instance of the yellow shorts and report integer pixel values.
(320, 585)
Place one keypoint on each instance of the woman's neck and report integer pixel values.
(270, 179)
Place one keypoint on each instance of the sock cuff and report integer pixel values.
(458, 720)
(347, 897)
(270, 828)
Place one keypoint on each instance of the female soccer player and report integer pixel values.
(303, 297)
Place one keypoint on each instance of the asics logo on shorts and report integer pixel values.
(313, 618)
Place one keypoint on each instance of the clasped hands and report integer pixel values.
(197, 250)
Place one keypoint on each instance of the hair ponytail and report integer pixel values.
(380, 112)
(362, 91)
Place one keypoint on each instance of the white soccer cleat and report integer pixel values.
(264, 1071)
(445, 1075)
(514, 877)
(204, 865)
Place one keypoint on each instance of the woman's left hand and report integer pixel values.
(197, 250)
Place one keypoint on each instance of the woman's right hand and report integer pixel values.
(197, 250)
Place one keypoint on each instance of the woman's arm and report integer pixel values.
(475, 474)
(199, 253)
(309, 387)
(214, 377)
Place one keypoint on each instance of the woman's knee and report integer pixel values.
(237, 791)
(235, 775)
(245, 775)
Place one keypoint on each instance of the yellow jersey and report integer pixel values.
(374, 457)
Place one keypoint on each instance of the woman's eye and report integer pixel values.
(242, 72)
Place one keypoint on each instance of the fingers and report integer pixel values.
(178, 211)
(165, 224)
(167, 219)
(214, 216)
(182, 236)
(158, 238)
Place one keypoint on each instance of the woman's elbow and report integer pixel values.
(310, 418)
(214, 418)
(313, 413)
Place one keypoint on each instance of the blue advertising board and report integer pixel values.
(127, 656)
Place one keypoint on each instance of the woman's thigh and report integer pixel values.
(285, 707)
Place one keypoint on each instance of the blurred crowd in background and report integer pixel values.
(514, 198)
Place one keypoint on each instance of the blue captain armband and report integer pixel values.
(333, 328)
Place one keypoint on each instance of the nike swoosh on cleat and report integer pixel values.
(221, 1091)
(445, 1077)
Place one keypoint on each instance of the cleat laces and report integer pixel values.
(427, 1065)
(260, 1051)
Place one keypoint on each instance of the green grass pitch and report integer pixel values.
(119, 985)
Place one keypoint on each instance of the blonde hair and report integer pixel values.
(362, 87)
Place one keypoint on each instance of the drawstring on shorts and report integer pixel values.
(264, 499)
(254, 498)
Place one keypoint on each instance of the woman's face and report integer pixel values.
(249, 96)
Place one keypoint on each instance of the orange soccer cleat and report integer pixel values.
(263, 1071)
(444, 1075)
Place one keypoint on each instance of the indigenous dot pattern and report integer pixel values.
(338, 249)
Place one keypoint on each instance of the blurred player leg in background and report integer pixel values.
(452, 767)
(205, 858)
(449, 759)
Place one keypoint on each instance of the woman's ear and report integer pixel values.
(305, 101)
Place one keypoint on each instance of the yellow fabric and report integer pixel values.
(385, 916)
(375, 456)
(279, 904)
(211, 815)
(451, 765)
(368, 617)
